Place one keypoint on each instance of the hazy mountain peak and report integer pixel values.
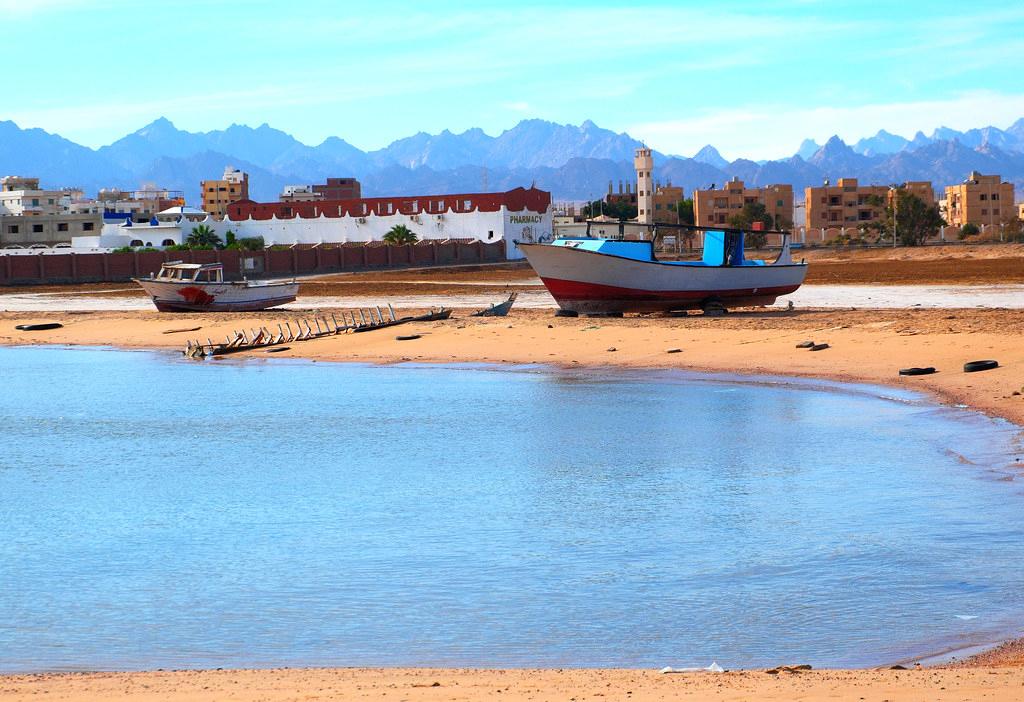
(709, 155)
(881, 143)
(808, 147)
(160, 125)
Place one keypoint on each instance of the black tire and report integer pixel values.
(805, 344)
(713, 306)
(917, 371)
(819, 347)
(975, 366)
(407, 337)
(43, 326)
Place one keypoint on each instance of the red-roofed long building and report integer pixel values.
(516, 215)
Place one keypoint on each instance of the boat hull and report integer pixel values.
(189, 296)
(594, 283)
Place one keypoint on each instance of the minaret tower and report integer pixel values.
(644, 164)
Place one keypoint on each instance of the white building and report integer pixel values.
(516, 215)
(24, 198)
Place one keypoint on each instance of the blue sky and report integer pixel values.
(752, 78)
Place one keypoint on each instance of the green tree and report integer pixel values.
(618, 209)
(915, 219)
(744, 219)
(202, 236)
(684, 208)
(246, 243)
(399, 235)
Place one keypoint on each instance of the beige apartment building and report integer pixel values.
(850, 204)
(218, 194)
(664, 196)
(23, 197)
(47, 229)
(980, 200)
(715, 207)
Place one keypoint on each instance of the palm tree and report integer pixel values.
(202, 235)
(400, 235)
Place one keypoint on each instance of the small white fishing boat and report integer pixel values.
(600, 276)
(200, 287)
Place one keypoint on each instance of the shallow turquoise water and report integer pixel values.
(162, 513)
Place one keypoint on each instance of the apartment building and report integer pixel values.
(141, 205)
(664, 196)
(980, 200)
(626, 194)
(22, 196)
(715, 207)
(850, 204)
(218, 194)
(339, 189)
(47, 229)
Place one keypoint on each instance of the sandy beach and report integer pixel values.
(519, 685)
(865, 345)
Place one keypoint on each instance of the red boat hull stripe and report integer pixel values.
(575, 290)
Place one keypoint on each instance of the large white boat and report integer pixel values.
(599, 276)
(200, 287)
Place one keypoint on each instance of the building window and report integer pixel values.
(467, 204)
(984, 196)
(87, 226)
(995, 196)
(62, 226)
(37, 229)
(995, 210)
(778, 203)
(984, 212)
(12, 228)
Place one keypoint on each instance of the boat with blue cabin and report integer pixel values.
(591, 275)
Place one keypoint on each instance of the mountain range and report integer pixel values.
(573, 162)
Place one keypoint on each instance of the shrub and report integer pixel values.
(967, 230)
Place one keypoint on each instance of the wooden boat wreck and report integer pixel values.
(500, 310)
(369, 319)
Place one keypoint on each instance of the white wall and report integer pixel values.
(488, 227)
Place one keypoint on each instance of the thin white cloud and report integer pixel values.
(764, 132)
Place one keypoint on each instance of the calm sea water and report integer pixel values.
(162, 513)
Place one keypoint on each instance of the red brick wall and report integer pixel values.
(116, 267)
